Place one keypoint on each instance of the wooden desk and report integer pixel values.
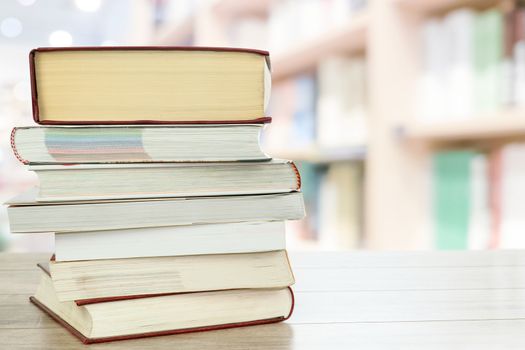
(443, 300)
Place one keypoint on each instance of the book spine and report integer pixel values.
(13, 147)
(34, 93)
(297, 175)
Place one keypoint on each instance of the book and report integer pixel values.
(143, 85)
(136, 144)
(479, 226)
(495, 181)
(111, 320)
(512, 192)
(340, 203)
(239, 237)
(519, 57)
(488, 55)
(451, 197)
(459, 34)
(92, 279)
(26, 215)
(431, 104)
(121, 181)
(341, 104)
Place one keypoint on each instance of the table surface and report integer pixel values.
(360, 300)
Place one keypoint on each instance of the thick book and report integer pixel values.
(122, 181)
(143, 85)
(111, 320)
(92, 279)
(238, 237)
(136, 144)
(26, 215)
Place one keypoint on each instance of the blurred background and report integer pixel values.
(406, 117)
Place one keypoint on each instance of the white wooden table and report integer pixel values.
(431, 300)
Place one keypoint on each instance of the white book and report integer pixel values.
(432, 103)
(512, 197)
(459, 27)
(479, 223)
(247, 237)
(519, 73)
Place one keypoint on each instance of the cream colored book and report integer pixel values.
(142, 85)
(89, 279)
(110, 320)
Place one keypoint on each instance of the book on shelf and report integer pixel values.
(511, 194)
(227, 238)
(519, 56)
(143, 85)
(341, 106)
(121, 181)
(112, 319)
(137, 144)
(451, 198)
(488, 56)
(91, 279)
(26, 215)
(340, 207)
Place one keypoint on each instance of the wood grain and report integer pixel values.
(362, 300)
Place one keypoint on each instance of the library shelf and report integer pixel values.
(433, 7)
(505, 124)
(349, 38)
(321, 155)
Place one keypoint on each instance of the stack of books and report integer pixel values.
(167, 215)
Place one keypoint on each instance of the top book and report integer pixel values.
(149, 85)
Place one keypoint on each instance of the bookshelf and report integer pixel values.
(501, 125)
(398, 154)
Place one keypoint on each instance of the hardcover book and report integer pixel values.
(149, 85)
(111, 319)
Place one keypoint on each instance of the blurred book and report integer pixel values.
(512, 194)
(341, 112)
(341, 206)
(452, 198)
(519, 57)
(488, 57)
